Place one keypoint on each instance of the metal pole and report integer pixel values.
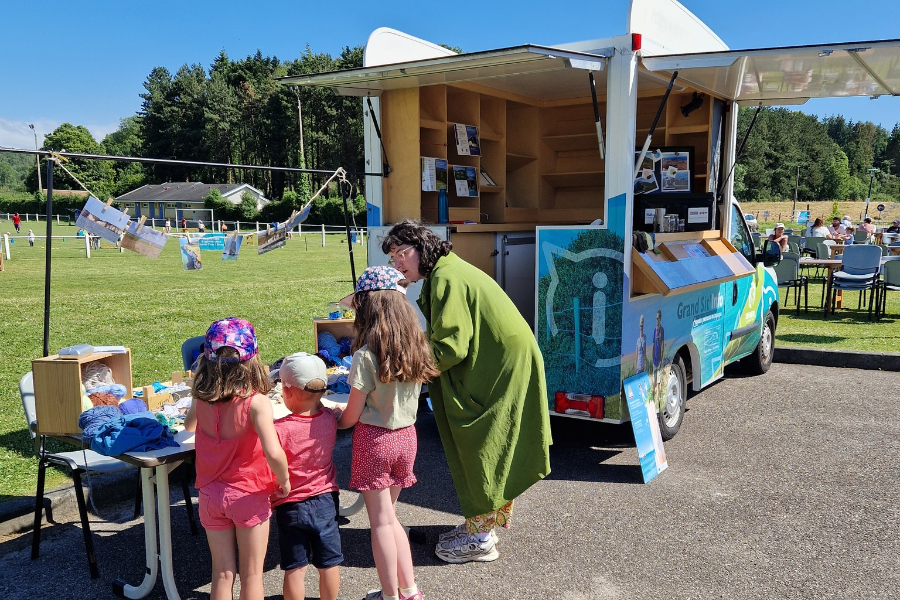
(347, 227)
(796, 187)
(38, 157)
(49, 256)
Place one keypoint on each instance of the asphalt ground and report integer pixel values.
(778, 486)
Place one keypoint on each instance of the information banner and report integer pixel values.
(647, 436)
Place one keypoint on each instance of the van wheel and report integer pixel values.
(761, 359)
(674, 393)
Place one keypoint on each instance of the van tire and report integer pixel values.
(675, 393)
(761, 359)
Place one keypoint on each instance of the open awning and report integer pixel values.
(789, 75)
(536, 72)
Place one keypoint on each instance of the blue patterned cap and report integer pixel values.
(233, 333)
(372, 279)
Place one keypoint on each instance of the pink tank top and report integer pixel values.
(228, 448)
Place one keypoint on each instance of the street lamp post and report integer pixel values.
(37, 158)
(872, 172)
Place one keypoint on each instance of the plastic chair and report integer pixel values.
(788, 231)
(191, 349)
(811, 242)
(788, 273)
(757, 241)
(860, 269)
(890, 282)
(794, 247)
(78, 462)
(861, 237)
(795, 239)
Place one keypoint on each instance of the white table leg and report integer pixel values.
(122, 589)
(165, 531)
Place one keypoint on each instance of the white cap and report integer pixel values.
(777, 225)
(299, 369)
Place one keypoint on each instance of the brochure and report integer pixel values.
(466, 181)
(434, 174)
(467, 143)
(485, 178)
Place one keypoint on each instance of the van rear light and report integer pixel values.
(635, 42)
(586, 404)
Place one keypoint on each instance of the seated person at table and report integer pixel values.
(894, 228)
(308, 517)
(868, 227)
(779, 237)
(818, 229)
(850, 231)
(837, 230)
(237, 453)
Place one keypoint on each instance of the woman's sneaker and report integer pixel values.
(467, 548)
(453, 533)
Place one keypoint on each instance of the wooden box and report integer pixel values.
(57, 388)
(339, 328)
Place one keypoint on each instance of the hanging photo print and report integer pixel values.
(102, 220)
(271, 238)
(144, 240)
(232, 246)
(190, 255)
(297, 217)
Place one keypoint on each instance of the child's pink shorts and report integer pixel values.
(223, 506)
(382, 458)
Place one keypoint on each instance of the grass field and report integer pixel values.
(152, 306)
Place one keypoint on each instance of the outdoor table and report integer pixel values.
(832, 264)
(155, 466)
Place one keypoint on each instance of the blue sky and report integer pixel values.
(85, 62)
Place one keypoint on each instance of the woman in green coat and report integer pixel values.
(490, 401)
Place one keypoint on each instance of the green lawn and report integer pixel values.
(151, 306)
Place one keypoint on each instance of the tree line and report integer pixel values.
(235, 112)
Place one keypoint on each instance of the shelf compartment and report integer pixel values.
(680, 129)
(582, 179)
(578, 141)
(515, 162)
(430, 124)
(490, 189)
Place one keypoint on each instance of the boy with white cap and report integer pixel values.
(308, 517)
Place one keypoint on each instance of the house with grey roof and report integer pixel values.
(177, 200)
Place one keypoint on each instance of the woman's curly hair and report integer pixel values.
(430, 246)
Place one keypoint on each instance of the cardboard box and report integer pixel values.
(339, 328)
(57, 388)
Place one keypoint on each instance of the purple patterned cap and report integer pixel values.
(233, 333)
(372, 279)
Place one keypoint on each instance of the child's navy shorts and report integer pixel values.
(308, 532)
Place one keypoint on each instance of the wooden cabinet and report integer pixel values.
(339, 328)
(57, 388)
(543, 156)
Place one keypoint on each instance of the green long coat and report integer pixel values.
(490, 402)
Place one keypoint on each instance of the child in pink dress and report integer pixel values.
(391, 360)
(237, 453)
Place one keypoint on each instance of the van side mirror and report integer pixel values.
(771, 253)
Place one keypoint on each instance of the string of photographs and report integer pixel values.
(665, 170)
(113, 225)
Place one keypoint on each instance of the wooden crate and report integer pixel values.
(57, 388)
(339, 328)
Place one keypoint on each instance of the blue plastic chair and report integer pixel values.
(191, 350)
(788, 273)
(860, 269)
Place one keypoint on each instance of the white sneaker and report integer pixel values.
(460, 530)
(467, 548)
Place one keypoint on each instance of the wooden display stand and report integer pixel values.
(57, 388)
(339, 328)
(682, 262)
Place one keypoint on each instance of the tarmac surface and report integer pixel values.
(778, 486)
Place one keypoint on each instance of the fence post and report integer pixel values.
(6, 244)
(87, 244)
(300, 230)
(323, 235)
(576, 305)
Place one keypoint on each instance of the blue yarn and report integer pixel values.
(157, 386)
(93, 419)
(115, 389)
(346, 343)
(328, 342)
(134, 405)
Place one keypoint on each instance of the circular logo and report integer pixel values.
(880, 207)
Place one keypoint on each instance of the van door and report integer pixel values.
(743, 295)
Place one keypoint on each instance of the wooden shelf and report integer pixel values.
(490, 136)
(582, 179)
(578, 141)
(429, 124)
(490, 189)
(517, 161)
(679, 129)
